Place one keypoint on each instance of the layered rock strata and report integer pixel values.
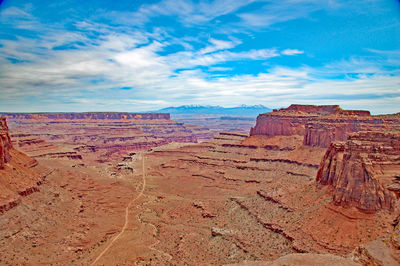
(17, 176)
(321, 125)
(97, 136)
(364, 170)
(256, 196)
(5, 143)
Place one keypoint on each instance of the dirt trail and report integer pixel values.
(152, 246)
(126, 215)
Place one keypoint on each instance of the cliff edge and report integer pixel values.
(364, 171)
(5, 143)
(320, 125)
(18, 172)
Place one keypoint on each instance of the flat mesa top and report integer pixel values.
(324, 110)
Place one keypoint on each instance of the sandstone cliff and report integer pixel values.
(5, 143)
(363, 171)
(277, 124)
(17, 174)
(320, 125)
(323, 131)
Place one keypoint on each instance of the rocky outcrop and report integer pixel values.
(89, 115)
(324, 110)
(323, 131)
(284, 161)
(395, 239)
(5, 143)
(292, 120)
(313, 109)
(18, 174)
(363, 171)
(320, 125)
(277, 124)
(377, 252)
(69, 155)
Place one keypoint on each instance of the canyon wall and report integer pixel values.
(89, 116)
(323, 131)
(97, 136)
(321, 125)
(18, 174)
(5, 143)
(276, 124)
(363, 171)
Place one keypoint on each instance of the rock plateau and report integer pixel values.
(321, 125)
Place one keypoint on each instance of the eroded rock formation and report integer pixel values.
(17, 176)
(97, 136)
(320, 125)
(5, 143)
(364, 170)
(323, 131)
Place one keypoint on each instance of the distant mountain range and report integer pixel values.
(243, 110)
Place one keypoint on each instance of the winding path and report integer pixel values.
(152, 246)
(126, 215)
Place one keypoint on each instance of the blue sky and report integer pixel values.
(100, 55)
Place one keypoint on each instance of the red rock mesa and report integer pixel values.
(320, 125)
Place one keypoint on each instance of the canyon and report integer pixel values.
(98, 137)
(308, 184)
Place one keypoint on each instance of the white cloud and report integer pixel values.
(187, 12)
(13, 12)
(274, 12)
(219, 45)
(292, 52)
(68, 75)
(189, 59)
(220, 69)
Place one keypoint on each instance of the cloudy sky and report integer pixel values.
(138, 55)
